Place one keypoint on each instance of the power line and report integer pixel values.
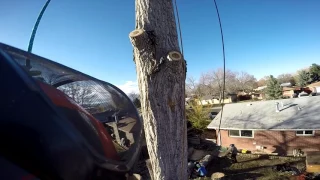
(179, 27)
(224, 69)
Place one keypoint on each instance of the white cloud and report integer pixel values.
(129, 86)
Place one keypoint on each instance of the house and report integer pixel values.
(277, 126)
(257, 95)
(207, 100)
(315, 88)
(292, 92)
(210, 99)
(242, 96)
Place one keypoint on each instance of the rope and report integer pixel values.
(224, 68)
(179, 27)
(34, 31)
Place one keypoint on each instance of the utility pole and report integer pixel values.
(161, 71)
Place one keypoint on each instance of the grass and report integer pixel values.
(252, 168)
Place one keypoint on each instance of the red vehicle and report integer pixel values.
(58, 123)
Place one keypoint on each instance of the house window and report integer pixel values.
(241, 133)
(305, 133)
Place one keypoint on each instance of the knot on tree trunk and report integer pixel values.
(174, 56)
(138, 38)
(144, 43)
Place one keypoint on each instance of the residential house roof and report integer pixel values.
(295, 88)
(288, 84)
(297, 113)
(316, 84)
(290, 88)
(217, 96)
(260, 88)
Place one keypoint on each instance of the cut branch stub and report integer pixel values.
(174, 56)
(138, 38)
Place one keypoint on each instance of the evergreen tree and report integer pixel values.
(273, 90)
(315, 72)
(303, 78)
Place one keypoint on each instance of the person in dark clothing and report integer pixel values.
(234, 152)
(201, 170)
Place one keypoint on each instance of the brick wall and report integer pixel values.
(282, 142)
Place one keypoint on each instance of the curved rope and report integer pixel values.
(179, 27)
(224, 69)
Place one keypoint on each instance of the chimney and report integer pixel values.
(277, 107)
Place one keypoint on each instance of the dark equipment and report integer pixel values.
(51, 129)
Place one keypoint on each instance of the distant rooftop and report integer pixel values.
(316, 84)
(288, 84)
(260, 88)
(297, 113)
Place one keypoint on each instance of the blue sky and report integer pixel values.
(261, 37)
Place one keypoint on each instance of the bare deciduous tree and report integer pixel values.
(135, 98)
(161, 72)
(263, 81)
(80, 93)
(286, 78)
(245, 81)
(192, 87)
(51, 78)
(213, 80)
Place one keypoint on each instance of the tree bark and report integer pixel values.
(161, 72)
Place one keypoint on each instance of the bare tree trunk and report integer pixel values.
(161, 72)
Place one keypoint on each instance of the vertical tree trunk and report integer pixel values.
(161, 72)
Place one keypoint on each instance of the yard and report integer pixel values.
(257, 168)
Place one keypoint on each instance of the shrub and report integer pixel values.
(199, 117)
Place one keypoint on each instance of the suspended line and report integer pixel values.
(224, 69)
(179, 27)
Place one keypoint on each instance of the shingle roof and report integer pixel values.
(262, 115)
(285, 84)
(316, 84)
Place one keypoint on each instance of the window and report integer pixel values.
(305, 133)
(241, 133)
(234, 133)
